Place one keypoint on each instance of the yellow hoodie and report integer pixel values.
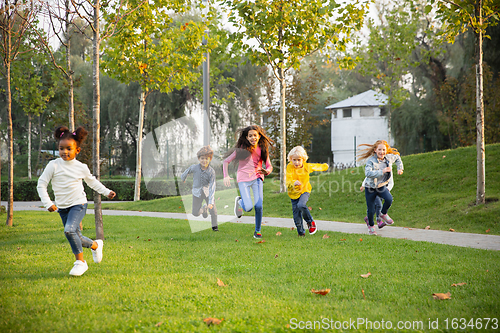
(302, 175)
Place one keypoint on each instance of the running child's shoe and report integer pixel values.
(312, 228)
(215, 228)
(371, 231)
(79, 268)
(97, 253)
(238, 211)
(257, 235)
(387, 219)
(380, 223)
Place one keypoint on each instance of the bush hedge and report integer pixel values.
(26, 190)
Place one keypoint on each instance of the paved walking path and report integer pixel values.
(479, 241)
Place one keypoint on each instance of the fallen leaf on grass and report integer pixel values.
(220, 283)
(262, 241)
(236, 240)
(210, 321)
(343, 239)
(366, 275)
(325, 236)
(487, 230)
(459, 284)
(321, 292)
(18, 248)
(452, 229)
(159, 324)
(362, 290)
(137, 237)
(218, 198)
(276, 256)
(278, 233)
(179, 206)
(444, 156)
(361, 239)
(292, 228)
(428, 227)
(226, 206)
(441, 296)
(131, 247)
(320, 208)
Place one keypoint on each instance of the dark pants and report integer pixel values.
(71, 218)
(300, 211)
(371, 195)
(197, 211)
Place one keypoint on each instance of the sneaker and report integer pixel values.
(205, 211)
(312, 228)
(79, 268)
(97, 253)
(380, 223)
(366, 220)
(387, 219)
(257, 234)
(371, 231)
(238, 211)
(215, 228)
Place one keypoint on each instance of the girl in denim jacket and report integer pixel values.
(378, 171)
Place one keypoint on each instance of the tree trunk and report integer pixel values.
(71, 111)
(99, 230)
(10, 143)
(137, 190)
(481, 187)
(29, 146)
(283, 131)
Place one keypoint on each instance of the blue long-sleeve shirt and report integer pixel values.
(374, 173)
(203, 180)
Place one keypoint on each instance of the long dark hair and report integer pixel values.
(62, 132)
(244, 148)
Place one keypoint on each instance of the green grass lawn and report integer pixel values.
(437, 189)
(157, 276)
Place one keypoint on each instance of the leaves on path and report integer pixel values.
(366, 275)
(220, 283)
(325, 236)
(441, 296)
(459, 284)
(278, 233)
(212, 321)
(452, 229)
(321, 292)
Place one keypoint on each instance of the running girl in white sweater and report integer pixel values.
(66, 174)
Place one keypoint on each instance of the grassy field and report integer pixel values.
(157, 276)
(437, 189)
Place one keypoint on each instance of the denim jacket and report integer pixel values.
(374, 170)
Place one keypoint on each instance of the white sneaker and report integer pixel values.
(79, 268)
(97, 253)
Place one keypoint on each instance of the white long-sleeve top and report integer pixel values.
(66, 177)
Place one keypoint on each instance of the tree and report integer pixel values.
(457, 17)
(151, 49)
(15, 19)
(287, 31)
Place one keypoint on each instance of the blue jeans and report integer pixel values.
(371, 196)
(258, 195)
(71, 218)
(300, 210)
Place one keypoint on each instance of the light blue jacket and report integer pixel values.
(374, 170)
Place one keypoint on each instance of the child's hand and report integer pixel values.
(227, 181)
(264, 171)
(210, 206)
(111, 195)
(52, 208)
(362, 188)
(400, 172)
(297, 183)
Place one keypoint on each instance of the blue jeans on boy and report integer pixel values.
(300, 210)
(71, 218)
(371, 195)
(246, 200)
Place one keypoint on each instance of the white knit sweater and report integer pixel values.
(66, 177)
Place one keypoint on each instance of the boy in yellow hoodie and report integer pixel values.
(299, 187)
